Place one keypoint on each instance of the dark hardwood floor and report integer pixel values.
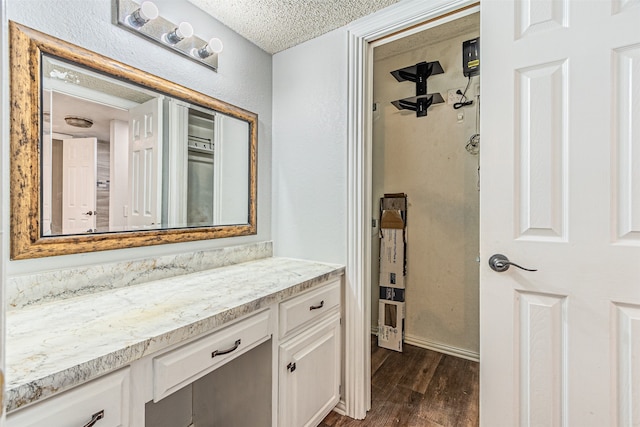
(418, 388)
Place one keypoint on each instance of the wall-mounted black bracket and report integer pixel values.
(419, 74)
(418, 104)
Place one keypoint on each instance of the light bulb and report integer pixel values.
(213, 46)
(181, 32)
(145, 13)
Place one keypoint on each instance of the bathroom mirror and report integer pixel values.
(105, 156)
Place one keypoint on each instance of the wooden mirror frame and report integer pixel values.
(26, 49)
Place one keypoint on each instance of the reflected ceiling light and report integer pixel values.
(183, 31)
(145, 13)
(214, 45)
(79, 122)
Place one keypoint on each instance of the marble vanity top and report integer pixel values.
(57, 345)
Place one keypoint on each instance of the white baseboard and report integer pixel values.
(436, 346)
(340, 408)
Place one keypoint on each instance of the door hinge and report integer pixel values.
(291, 367)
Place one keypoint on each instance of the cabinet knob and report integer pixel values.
(291, 367)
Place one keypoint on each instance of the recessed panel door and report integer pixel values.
(560, 193)
(79, 185)
(145, 165)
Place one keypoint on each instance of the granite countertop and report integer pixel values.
(57, 345)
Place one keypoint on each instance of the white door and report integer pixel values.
(78, 185)
(47, 166)
(145, 164)
(560, 192)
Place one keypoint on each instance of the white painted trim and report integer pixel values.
(442, 348)
(218, 153)
(176, 198)
(88, 94)
(340, 408)
(358, 290)
(436, 346)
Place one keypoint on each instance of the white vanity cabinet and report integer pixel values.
(309, 360)
(255, 344)
(105, 400)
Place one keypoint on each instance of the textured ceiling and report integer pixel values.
(276, 25)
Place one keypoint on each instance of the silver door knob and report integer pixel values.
(500, 263)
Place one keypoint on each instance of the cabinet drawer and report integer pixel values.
(109, 394)
(186, 364)
(311, 305)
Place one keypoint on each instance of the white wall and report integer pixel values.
(309, 150)
(425, 157)
(243, 79)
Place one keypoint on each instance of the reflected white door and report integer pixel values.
(560, 162)
(145, 164)
(47, 166)
(79, 185)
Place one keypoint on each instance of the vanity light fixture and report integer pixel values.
(144, 20)
(145, 13)
(213, 46)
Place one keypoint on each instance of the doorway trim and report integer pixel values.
(400, 17)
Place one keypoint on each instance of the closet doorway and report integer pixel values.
(434, 159)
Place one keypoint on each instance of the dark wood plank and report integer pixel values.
(378, 356)
(418, 387)
(420, 370)
(449, 393)
(391, 372)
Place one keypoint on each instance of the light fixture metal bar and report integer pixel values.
(155, 29)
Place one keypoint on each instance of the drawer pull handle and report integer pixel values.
(227, 351)
(315, 307)
(95, 418)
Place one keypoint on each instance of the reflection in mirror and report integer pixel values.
(105, 156)
(119, 157)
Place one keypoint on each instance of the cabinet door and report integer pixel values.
(310, 374)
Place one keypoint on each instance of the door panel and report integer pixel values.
(626, 94)
(145, 164)
(533, 16)
(79, 185)
(541, 356)
(541, 112)
(626, 333)
(560, 193)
